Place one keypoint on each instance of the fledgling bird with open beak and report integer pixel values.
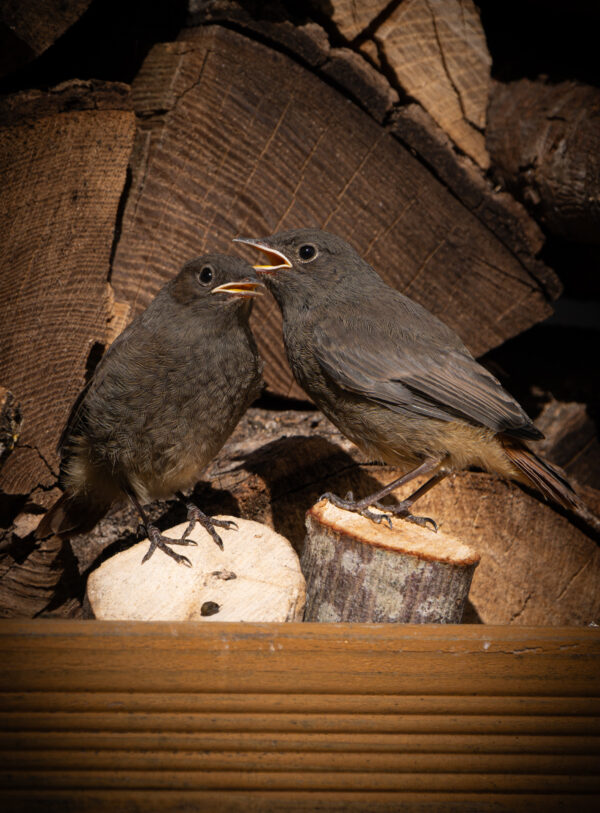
(162, 402)
(392, 377)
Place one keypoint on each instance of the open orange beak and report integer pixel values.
(244, 288)
(277, 260)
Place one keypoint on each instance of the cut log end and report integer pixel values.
(256, 577)
(357, 570)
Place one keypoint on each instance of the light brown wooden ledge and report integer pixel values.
(158, 716)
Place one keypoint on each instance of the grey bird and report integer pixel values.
(392, 377)
(162, 402)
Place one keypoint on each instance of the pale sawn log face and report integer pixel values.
(307, 157)
(256, 577)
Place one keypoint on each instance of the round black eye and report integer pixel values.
(205, 275)
(307, 252)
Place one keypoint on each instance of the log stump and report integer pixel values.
(256, 577)
(359, 571)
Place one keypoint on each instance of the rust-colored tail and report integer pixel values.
(71, 515)
(548, 479)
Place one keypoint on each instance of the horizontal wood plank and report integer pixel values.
(160, 716)
(275, 801)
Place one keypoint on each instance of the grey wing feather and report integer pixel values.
(77, 415)
(412, 377)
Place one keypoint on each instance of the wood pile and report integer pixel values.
(389, 124)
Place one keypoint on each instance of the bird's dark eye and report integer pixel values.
(307, 252)
(205, 275)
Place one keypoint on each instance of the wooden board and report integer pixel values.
(238, 139)
(115, 715)
(63, 156)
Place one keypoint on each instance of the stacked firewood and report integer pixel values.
(380, 122)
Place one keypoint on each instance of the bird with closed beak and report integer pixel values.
(162, 402)
(392, 377)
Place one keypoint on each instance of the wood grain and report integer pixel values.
(352, 18)
(438, 54)
(256, 577)
(536, 565)
(63, 174)
(237, 139)
(544, 140)
(292, 716)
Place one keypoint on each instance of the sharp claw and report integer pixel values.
(157, 540)
(224, 523)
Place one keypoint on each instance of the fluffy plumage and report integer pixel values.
(391, 376)
(164, 398)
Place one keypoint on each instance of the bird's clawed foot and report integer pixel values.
(402, 510)
(362, 507)
(208, 523)
(157, 540)
(356, 506)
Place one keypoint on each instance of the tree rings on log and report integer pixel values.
(256, 577)
(64, 155)
(357, 570)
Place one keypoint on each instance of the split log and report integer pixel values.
(256, 577)
(64, 158)
(544, 140)
(307, 157)
(498, 210)
(308, 42)
(37, 577)
(29, 27)
(571, 441)
(350, 18)
(359, 571)
(437, 51)
(537, 566)
(272, 22)
(363, 80)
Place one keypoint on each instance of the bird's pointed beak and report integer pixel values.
(277, 260)
(245, 288)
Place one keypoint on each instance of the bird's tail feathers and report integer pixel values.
(71, 514)
(548, 479)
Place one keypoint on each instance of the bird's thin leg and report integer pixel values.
(403, 509)
(362, 506)
(195, 515)
(157, 540)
